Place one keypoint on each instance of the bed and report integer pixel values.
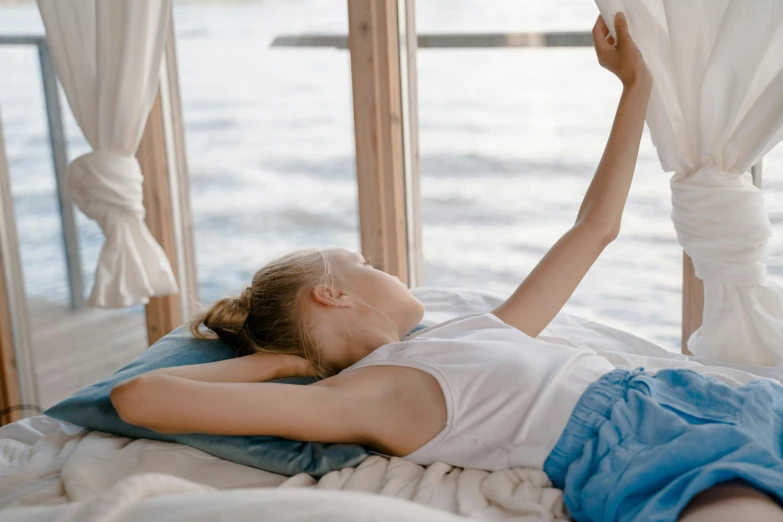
(56, 471)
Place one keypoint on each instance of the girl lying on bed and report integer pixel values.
(481, 391)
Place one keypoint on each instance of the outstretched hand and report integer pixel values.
(621, 57)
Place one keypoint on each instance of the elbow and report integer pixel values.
(603, 232)
(128, 399)
(611, 234)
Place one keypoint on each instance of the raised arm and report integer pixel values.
(547, 288)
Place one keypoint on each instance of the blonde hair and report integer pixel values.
(269, 315)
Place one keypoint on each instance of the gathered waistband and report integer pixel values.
(592, 409)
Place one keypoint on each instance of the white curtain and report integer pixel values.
(107, 54)
(715, 110)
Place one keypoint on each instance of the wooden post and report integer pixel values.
(692, 301)
(161, 155)
(163, 313)
(10, 390)
(373, 40)
(180, 182)
(9, 384)
(410, 127)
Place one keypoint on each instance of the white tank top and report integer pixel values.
(508, 395)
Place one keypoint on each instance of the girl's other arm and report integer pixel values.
(169, 404)
(257, 367)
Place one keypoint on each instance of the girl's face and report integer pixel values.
(378, 289)
(377, 307)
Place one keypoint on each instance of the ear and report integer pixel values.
(331, 296)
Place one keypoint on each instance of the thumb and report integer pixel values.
(621, 29)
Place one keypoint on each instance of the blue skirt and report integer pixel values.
(640, 447)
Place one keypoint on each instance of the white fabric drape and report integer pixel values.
(715, 110)
(107, 55)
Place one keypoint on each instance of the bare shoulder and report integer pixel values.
(402, 407)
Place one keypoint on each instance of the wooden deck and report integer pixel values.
(72, 349)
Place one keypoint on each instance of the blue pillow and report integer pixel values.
(91, 408)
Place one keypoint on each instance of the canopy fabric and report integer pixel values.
(107, 56)
(716, 108)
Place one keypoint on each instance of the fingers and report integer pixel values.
(621, 30)
(600, 35)
(599, 29)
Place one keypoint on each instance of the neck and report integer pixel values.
(351, 343)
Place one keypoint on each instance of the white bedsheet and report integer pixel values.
(51, 470)
(88, 475)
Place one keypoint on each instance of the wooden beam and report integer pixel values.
(373, 40)
(692, 301)
(163, 313)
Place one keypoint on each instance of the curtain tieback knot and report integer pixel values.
(104, 185)
(722, 224)
(730, 273)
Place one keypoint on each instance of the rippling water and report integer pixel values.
(509, 141)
